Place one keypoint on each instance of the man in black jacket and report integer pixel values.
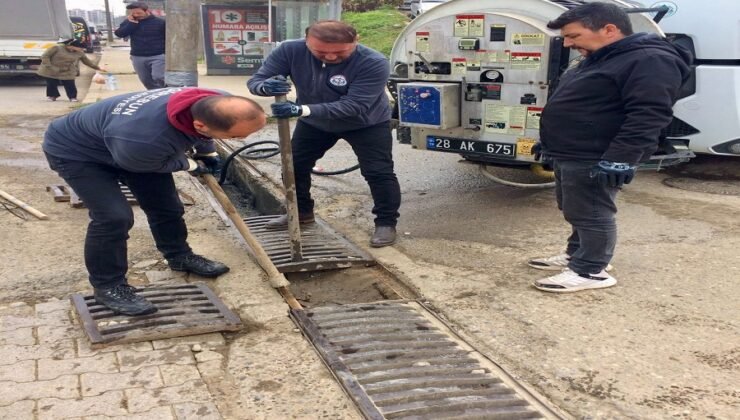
(147, 33)
(604, 118)
(140, 139)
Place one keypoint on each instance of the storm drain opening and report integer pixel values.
(352, 285)
(183, 310)
(397, 361)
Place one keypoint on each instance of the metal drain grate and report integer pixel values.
(396, 363)
(186, 309)
(323, 248)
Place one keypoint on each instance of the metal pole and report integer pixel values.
(181, 54)
(109, 22)
(291, 202)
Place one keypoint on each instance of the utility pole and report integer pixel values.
(109, 22)
(181, 53)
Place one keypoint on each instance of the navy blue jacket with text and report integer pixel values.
(346, 96)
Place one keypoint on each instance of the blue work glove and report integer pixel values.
(286, 109)
(275, 86)
(613, 174)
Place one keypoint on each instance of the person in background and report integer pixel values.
(340, 86)
(60, 65)
(140, 139)
(147, 33)
(602, 120)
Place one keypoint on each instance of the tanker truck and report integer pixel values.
(472, 77)
(27, 29)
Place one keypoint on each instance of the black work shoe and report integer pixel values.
(197, 264)
(282, 221)
(122, 299)
(383, 236)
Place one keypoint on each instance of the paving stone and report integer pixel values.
(187, 411)
(159, 413)
(51, 334)
(21, 410)
(101, 363)
(144, 264)
(11, 354)
(58, 318)
(207, 356)
(53, 306)
(178, 374)
(62, 387)
(210, 369)
(98, 383)
(84, 349)
(206, 340)
(17, 309)
(20, 337)
(108, 404)
(140, 400)
(163, 276)
(132, 360)
(24, 371)
(12, 322)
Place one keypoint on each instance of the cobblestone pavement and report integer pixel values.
(49, 371)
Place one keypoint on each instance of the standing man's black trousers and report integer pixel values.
(111, 216)
(373, 147)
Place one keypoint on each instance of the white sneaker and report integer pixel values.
(569, 281)
(556, 263)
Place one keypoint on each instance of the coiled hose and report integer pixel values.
(267, 152)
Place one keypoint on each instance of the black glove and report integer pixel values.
(537, 151)
(211, 161)
(286, 109)
(211, 164)
(613, 174)
(274, 86)
(540, 156)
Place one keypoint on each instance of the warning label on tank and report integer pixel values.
(528, 39)
(533, 117)
(459, 66)
(469, 25)
(505, 119)
(526, 60)
(422, 42)
(500, 56)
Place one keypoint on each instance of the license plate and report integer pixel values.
(446, 144)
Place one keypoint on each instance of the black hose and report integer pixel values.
(269, 152)
(339, 172)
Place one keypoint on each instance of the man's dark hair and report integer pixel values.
(332, 31)
(595, 16)
(137, 5)
(210, 112)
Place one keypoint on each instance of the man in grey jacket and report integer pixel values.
(340, 88)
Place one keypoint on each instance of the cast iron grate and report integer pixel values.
(322, 247)
(185, 309)
(396, 363)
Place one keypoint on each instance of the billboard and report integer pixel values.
(236, 38)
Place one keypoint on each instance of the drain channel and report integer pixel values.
(396, 363)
